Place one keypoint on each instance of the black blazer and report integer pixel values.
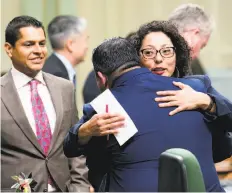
(197, 68)
(90, 90)
(55, 66)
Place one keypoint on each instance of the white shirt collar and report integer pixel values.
(21, 79)
(68, 66)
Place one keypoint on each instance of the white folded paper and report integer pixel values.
(107, 98)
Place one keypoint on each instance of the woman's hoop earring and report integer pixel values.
(177, 73)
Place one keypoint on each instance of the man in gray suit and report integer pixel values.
(37, 109)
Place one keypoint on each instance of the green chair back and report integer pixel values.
(179, 171)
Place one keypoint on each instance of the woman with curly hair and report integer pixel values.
(165, 52)
(162, 49)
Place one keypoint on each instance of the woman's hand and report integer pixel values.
(184, 99)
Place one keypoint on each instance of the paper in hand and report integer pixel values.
(107, 98)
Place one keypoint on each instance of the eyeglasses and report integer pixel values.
(150, 53)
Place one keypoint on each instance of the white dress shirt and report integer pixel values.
(23, 88)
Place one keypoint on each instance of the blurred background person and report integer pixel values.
(196, 26)
(69, 40)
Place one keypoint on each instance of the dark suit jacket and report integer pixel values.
(54, 65)
(90, 89)
(197, 68)
(20, 150)
(221, 126)
(220, 139)
(134, 166)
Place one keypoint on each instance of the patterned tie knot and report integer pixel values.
(33, 84)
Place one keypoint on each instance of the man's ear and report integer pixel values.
(190, 36)
(69, 44)
(196, 31)
(187, 38)
(9, 49)
(102, 78)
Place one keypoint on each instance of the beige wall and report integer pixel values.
(107, 18)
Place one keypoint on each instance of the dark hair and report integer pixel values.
(114, 53)
(12, 33)
(183, 57)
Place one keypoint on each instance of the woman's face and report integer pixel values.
(157, 53)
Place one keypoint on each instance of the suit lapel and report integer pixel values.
(56, 97)
(61, 66)
(12, 102)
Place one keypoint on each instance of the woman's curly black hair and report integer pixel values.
(183, 57)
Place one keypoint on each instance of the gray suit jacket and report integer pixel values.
(20, 151)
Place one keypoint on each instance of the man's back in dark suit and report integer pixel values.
(157, 132)
(134, 166)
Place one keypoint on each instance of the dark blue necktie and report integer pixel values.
(74, 81)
